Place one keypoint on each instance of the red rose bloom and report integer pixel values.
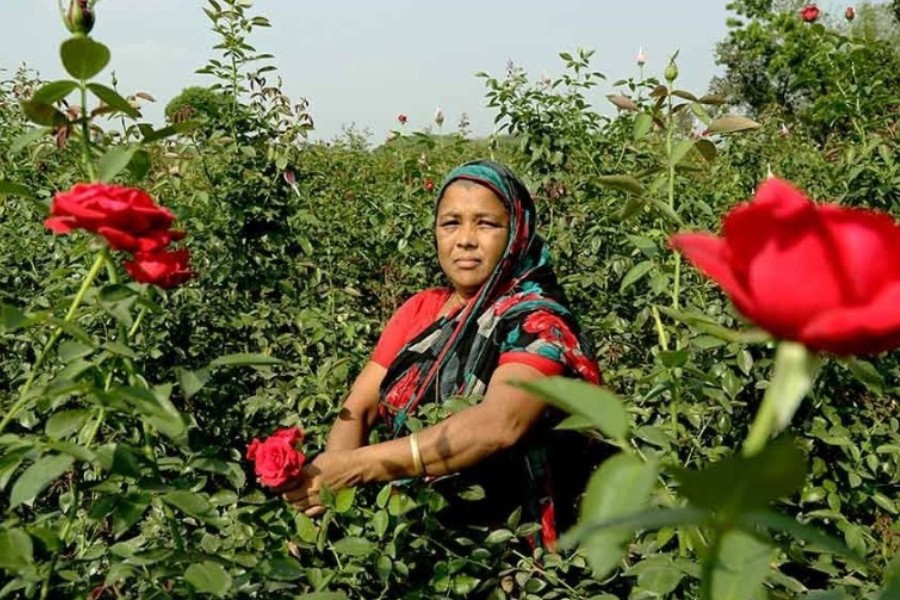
(822, 275)
(551, 328)
(402, 119)
(165, 269)
(850, 13)
(429, 185)
(276, 459)
(127, 217)
(810, 13)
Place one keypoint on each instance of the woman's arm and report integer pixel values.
(358, 413)
(459, 441)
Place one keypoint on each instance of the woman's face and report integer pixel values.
(472, 230)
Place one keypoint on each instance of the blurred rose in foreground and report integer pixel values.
(822, 275)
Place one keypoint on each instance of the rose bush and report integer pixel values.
(822, 275)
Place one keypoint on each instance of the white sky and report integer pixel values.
(364, 62)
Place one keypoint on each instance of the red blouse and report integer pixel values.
(420, 311)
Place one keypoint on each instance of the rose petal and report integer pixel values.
(60, 225)
(710, 254)
(867, 329)
(119, 240)
(868, 248)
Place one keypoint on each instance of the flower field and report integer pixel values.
(172, 295)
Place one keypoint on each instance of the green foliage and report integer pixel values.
(121, 470)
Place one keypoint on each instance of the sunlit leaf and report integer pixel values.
(601, 407)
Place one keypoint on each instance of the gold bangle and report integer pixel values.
(416, 455)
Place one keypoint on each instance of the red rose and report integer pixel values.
(402, 119)
(165, 269)
(127, 217)
(550, 327)
(429, 185)
(276, 459)
(850, 13)
(822, 275)
(810, 13)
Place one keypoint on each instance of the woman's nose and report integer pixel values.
(468, 236)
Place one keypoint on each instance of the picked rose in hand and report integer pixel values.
(277, 459)
(822, 275)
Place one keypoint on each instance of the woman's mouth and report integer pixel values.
(467, 263)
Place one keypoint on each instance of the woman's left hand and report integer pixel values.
(329, 469)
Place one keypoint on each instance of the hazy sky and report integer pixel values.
(364, 62)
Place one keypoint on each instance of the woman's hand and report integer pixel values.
(332, 469)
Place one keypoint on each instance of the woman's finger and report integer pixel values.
(314, 511)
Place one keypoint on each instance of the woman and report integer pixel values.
(503, 319)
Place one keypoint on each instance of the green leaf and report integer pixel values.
(112, 98)
(27, 138)
(192, 382)
(65, 423)
(866, 373)
(343, 500)
(741, 482)
(83, 57)
(701, 113)
(603, 408)
(322, 596)
(37, 477)
(621, 182)
(657, 574)
(182, 127)
(209, 577)
(129, 510)
(8, 188)
(154, 405)
(731, 124)
(642, 124)
(635, 274)
(244, 359)
(706, 149)
(12, 319)
(54, 91)
(114, 161)
(680, 151)
(353, 546)
(891, 589)
(620, 487)
(16, 550)
(750, 521)
(741, 567)
(189, 503)
(43, 114)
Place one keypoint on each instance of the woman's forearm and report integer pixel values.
(460, 441)
(349, 432)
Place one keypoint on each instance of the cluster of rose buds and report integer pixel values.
(129, 220)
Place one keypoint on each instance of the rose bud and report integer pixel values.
(79, 18)
(439, 117)
(850, 13)
(810, 13)
(671, 72)
(641, 57)
(402, 119)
